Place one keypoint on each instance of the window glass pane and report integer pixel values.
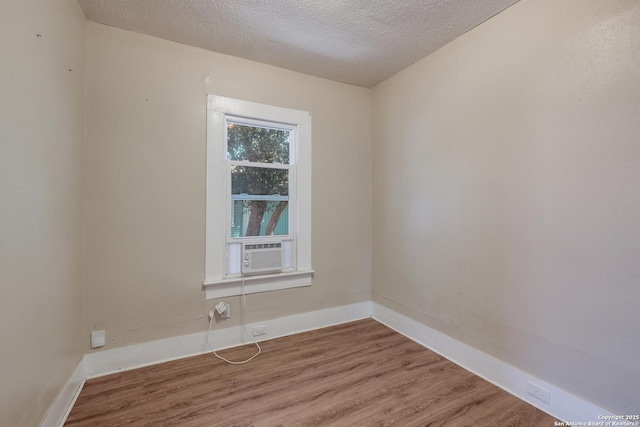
(259, 218)
(257, 144)
(259, 181)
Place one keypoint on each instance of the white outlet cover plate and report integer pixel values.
(98, 339)
(259, 330)
(538, 392)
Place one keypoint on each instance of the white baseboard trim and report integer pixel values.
(564, 406)
(139, 355)
(145, 354)
(62, 406)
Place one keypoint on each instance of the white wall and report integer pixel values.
(41, 138)
(145, 185)
(506, 203)
(505, 208)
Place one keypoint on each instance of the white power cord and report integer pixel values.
(244, 307)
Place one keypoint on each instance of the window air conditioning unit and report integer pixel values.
(260, 258)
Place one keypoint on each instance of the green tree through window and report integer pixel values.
(259, 175)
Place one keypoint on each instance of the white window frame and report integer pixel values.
(218, 281)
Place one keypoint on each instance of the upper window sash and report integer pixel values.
(290, 129)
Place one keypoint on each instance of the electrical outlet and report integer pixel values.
(227, 312)
(538, 392)
(259, 330)
(98, 339)
(223, 309)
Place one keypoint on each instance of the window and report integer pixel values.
(258, 156)
(258, 193)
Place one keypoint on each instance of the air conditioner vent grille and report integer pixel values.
(258, 258)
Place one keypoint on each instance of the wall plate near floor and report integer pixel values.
(98, 339)
(538, 392)
(259, 330)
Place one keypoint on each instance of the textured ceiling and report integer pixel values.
(361, 42)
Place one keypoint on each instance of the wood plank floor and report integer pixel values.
(356, 374)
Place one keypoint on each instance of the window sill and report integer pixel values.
(255, 284)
